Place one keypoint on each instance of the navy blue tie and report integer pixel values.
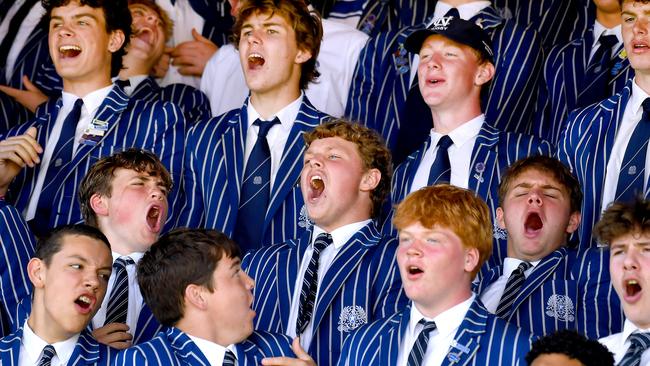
(631, 175)
(118, 302)
(420, 346)
(310, 283)
(453, 12)
(441, 168)
(598, 74)
(46, 357)
(639, 342)
(61, 155)
(516, 279)
(255, 191)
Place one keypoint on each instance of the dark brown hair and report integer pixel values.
(51, 243)
(622, 218)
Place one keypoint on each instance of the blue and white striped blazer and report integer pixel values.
(218, 21)
(563, 74)
(568, 289)
(494, 151)
(363, 280)
(174, 347)
(482, 340)
(87, 351)
(214, 170)
(381, 80)
(155, 126)
(585, 147)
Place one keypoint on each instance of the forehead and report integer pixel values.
(259, 17)
(75, 9)
(126, 174)
(90, 249)
(225, 265)
(635, 6)
(635, 237)
(537, 176)
(332, 143)
(438, 40)
(143, 8)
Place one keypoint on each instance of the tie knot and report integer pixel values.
(607, 40)
(453, 12)
(229, 358)
(322, 241)
(640, 340)
(122, 83)
(523, 267)
(122, 262)
(48, 353)
(646, 109)
(78, 104)
(265, 126)
(446, 141)
(428, 326)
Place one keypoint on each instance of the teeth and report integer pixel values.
(316, 177)
(316, 182)
(154, 212)
(69, 48)
(255, 55)
(632, 282)
(84, 298)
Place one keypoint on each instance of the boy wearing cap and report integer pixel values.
(463, 148)
(445, 235)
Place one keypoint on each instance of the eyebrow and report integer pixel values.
(235, 263)
(545, 186)
(77, 16)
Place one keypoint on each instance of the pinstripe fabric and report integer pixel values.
(118, 301)
(585, 146)
(155, 126)
(564, 71)
(218, 21)
(482, 338)
(215, 166)
(46, 358)
(363, 280)
(379, 88)
(494, 151)
(420, 346)
(639, 342)
(631, 175)
(86, 352)
(511, 290)
(310, 283)
(173, 347)
(568, 289)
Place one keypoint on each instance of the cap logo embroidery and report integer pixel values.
(442, 23)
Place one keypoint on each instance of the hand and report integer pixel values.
(303, 358)
(15, 153)
(115, 335)
(192, 56)
(160, 68)
(30, 98)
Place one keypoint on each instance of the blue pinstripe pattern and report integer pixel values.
(585, 146)
(494, 151)
(218, 21)
(579, 280)
(364, 273)
(173, 347)
(564, 70)
(155, 126)
(86, 352)
(379, 89)
(215, 167)
(486, 339)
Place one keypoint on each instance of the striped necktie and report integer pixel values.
(118, 302)
(639, 342)
(516, 279)
(441, 168)
(420, 346)
(598, 75)
(310, 283)
(631, 175)
(229, 358)
(46, 357)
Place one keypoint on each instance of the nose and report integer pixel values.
(65, 31)
(534, 199)
(253, 37)
(92, 282)
(640, 26)
(248, 281)
(630, 262)
(433, 62)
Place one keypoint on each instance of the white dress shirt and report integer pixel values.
(136, 302)
(224, 84)
(618, 343)
(492, 294)
(340, 237)
(31, 348)
(631, 117)
(277, 135)
(440, 339)
(26, 28)
(215, 353)
(599, 30)
(460, 154)
(134, 81)
(92, 101)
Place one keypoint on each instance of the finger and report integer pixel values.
(190, 70)
(117, 336)
(197, 36)
(12, 92)
(29, 85)
(120, 345)
(298, 350)
(168, 50)
(21, 149)
(278, 361)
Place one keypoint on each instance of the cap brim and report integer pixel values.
(414, 42)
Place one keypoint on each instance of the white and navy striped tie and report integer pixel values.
(513, 286)
(229, 359)
(639, 343)
(46, 358)
(310, 283)
(118, 302)
(421, 343)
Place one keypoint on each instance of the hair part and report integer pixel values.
(178, 259)
(117, 18)
(100, 177)
(51, 243)
(306, 25)
(453, 208)
(622, 218)
(371, 148)
(573, 345)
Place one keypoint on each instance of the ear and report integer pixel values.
(500, 221)
(471, 259)
(574, 222)
(195, 296)
(370, 180)
(36, 272)
(484, 74)
(302, 56)
(115, 41)
(98, 204)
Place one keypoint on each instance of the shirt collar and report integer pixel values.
(340, 235)
(461, 134)
(466, 11)
(510, 264)
(35, 344)
(637, 98)
(136, 256)
(215, 353)
(599, 29)
(447, 322)
(629, 328)
(287, 115)
(92, 101)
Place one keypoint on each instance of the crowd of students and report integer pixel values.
(349, 182)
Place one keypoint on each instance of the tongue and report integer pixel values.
(70, 53)
(255, 62)
(533, 222)
(82, 304)
(632, 289)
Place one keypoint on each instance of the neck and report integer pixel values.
(642, 79)
(195, 327)
(448, 120)
(457, 3)
(608, 19)
(268, 104)
(432, 310)
(83, 88)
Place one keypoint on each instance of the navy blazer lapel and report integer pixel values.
(402, 64)
(234, 141)
(287, 272)
(413, 163)
(488, 278)
(86, 350)
(10, 348)
(484, 161)
(38, 38)
(467, 340)
(344, 264)
(391, 340)
(145, 89)
(186, 350)
(488, 19)
(574, 66)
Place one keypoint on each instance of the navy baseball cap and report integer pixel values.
(456, 29)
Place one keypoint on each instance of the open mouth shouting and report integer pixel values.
(85, 303)
(633, 290)
(316, 187)
(154, 218)
(255, 61)
(533, 224)
(69, 51)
